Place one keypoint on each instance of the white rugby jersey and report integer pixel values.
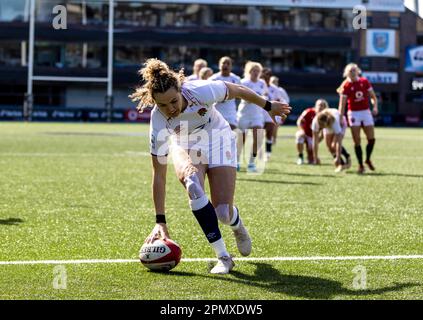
(199, 114)
(275, 94)
(228, 106)
(284, 94)
(250, 109)
(336, 126)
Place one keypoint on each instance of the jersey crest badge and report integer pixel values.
(202, 112)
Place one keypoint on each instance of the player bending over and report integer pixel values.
(304, 135)
(333, 126)
(356, 91)
(183, 111)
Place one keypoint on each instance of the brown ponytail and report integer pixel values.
(158, 77)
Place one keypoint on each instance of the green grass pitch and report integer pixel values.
(82, 191)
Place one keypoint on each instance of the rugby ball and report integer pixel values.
(161, 255)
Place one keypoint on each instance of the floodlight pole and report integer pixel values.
(29, 98)
(109, 97)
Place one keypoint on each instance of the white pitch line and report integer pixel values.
(317, 258)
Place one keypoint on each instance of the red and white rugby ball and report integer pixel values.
(161, 255)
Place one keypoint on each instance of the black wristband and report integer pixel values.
(268, 106)
(160, 218)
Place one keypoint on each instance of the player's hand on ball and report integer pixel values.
(280, 109)
(159, 232)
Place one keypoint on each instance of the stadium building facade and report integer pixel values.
(306, 43)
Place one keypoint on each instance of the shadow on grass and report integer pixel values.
(306, 287)
(11, 221)
(275, 171)
(172, 273)
(393, 174)
(280, 181)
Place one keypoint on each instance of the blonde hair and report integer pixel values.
(202, 61)
(345, 75)
(325, 119)
(197, 64)
(250, 65)
(203, 73)
(158, 77)
(274, 80)
(324, 102)
(225, 58)
(348, 67)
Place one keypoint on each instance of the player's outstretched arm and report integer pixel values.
(159, 195)
(242, 92)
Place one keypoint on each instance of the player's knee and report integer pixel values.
(222, 213)
(299, 137)
(193, 185)
(371, 141)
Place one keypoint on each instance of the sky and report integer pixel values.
(410, 4)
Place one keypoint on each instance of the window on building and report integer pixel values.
(393, 64)
(83, 55)
(365, 63)
(13, 10)
(181, 16)
(135, 14)
(181, 56)
(10, 53)
(288, 60)
(369, 21)
(73, 55)
(132, 55)
(394, 22)
(273, 18)
(96, 56)
(224, 16)
(47, 55)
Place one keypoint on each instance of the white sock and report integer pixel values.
(252, 160)
(220, 248)
(234, 217)
(199, 203)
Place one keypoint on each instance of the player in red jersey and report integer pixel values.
(356, 92)
(304, 134)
